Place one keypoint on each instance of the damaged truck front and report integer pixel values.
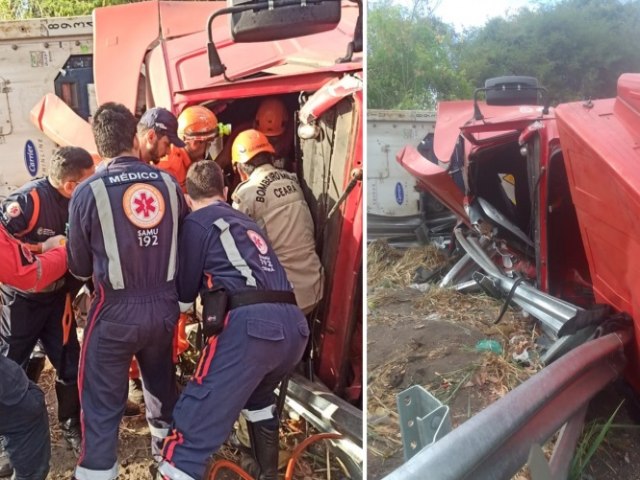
(178, 54)
(547, 201)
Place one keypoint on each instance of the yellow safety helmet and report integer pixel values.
(248, 144)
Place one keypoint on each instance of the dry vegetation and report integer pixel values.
(433, 333)
(134, 455)
(428, 337)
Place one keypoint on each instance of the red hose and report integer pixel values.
(220, 464)
(291, 466)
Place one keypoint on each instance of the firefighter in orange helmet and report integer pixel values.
(272, 119)
(273, 198)
(198, 128)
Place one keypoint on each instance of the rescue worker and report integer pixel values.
(198, 128)
(274, 199)
(24, 424)
(123, 232)
(272, 119)
(33, 213)
(256, 333)
(157, 132)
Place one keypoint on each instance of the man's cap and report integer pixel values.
(163, 122)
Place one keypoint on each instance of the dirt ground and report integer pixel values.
(429, 338)
(134, 452)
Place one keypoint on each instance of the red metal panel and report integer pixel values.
(335, 345)
(601, 145)
(275, 85)
(121, 36)
(450, 117)
(62, 125)
(160, 90)
(189, 67)
(184, 18)
(434, 179)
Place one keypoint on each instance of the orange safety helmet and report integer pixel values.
(248, 144)
(197, 123)
(271, 118)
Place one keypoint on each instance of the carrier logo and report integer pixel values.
(399, 193)
(143, 205)
(31, 158)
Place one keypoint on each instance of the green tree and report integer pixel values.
(576, 48)
(411, 58)
(22, 9)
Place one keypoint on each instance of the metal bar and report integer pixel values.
(494, 444)
(460, 272)
(335, 413)
(550, 310)
(329, 413)
(565, 446)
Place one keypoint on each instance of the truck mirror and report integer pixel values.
(268, 20)
(283, 19)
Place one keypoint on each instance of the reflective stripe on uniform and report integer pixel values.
(158, 432)
(254, 416)
(173, 201)
(83, 473)
(233, 254)
(172, 472)
(185, 307)
(35, 215)
(105, 215)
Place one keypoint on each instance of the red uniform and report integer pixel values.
(21, 269)
(23, 414)
(176, 163)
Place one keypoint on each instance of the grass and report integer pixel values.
(593, 435)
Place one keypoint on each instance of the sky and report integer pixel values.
(473, 13)
(470, 13)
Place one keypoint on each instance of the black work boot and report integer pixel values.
(69, 414)
(132, 409)
(5, 464)
(35, 365)
(72, 433)
(265, 445)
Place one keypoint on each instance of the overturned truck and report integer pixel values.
(547, 201)
(309, 55)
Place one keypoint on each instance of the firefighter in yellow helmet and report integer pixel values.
(198, 128)
(274, 199)
(272, 119)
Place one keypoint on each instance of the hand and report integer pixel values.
(53, 242)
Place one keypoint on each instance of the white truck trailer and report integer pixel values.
(37, 57)
(396, 209)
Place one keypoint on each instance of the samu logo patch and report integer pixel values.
(258, 241)
(143, 205)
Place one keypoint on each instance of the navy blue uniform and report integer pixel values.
(34, 213)
(24, 424)
(123, 232)
(260, 343)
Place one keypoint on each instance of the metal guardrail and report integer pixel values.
(494, 444)
(329, 413)
(551, 311)
(423, 419)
